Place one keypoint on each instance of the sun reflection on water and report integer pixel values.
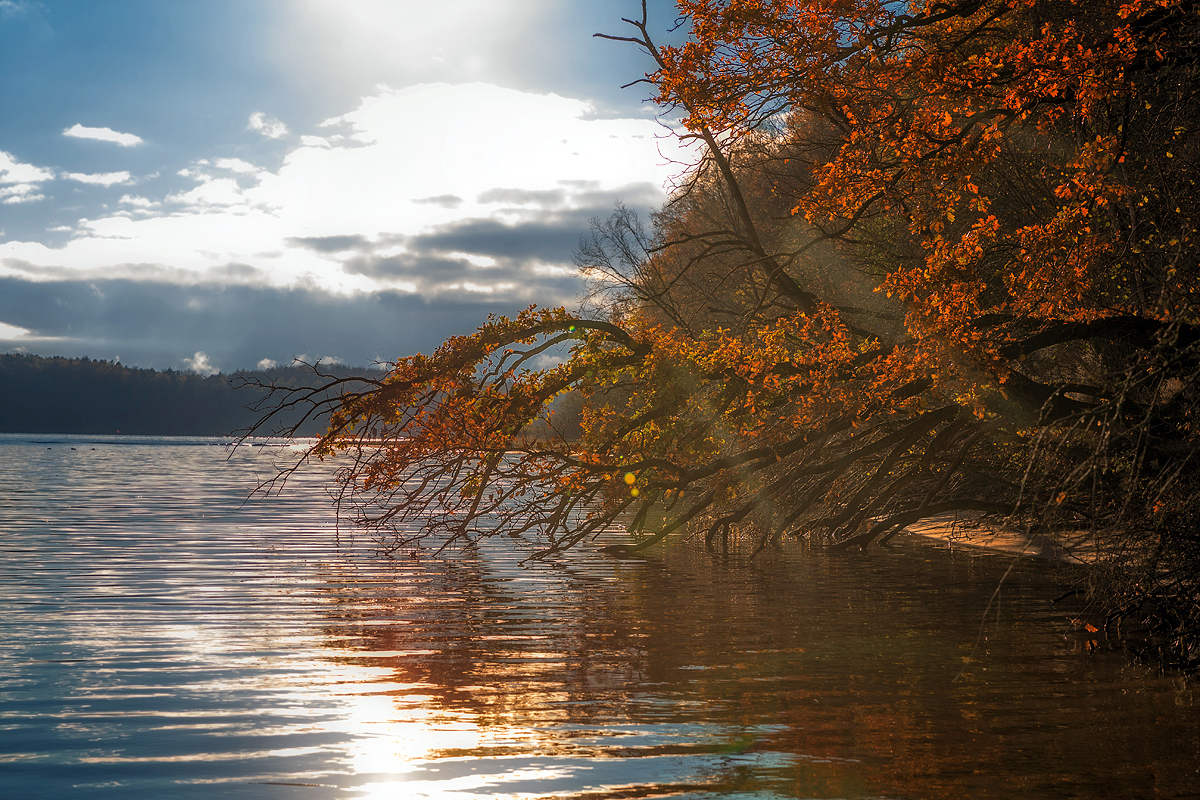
(398, 739)
(456, 787)
(164, 640)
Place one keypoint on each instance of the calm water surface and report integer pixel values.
(160, 639)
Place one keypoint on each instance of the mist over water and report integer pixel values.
(163, 638)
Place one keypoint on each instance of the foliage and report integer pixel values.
(937, 257)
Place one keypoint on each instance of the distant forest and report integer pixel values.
(79, 395)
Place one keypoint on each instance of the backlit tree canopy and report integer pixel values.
(932, 258)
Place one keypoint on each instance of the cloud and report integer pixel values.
(421, 271)
(103, 134)
(160, 324)
(525, 255)
(461, 179)
(212, 192)
(549, 240)
(443, 200)
(544, 197)
(139, 202)
(549, 234)
(267, 126)
(329, 244)
(12, 332)
(99, 178)
(13, 171)
(200, 364)
(305, 358)
(234, 272)
(432, 268)
(20, 193)
(148, 271)
(237, 165)
(266, 363)
(14, 8)
(20, 183)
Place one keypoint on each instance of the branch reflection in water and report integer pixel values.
(161, 639)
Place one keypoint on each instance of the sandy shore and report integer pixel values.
(1073, 547)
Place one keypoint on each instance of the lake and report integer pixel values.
(162, 638)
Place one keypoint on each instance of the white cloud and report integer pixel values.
(139, 202)
(13, 171)
(200, 364)
(435, 140)
(212, 192)
(267, 363)
(401, 151)
(99, 178)
(305, 358)
(12, 331)
(474, 287)
(103, 134)
(267, 126)
(20, 193)
(236, 165)
(314, 141)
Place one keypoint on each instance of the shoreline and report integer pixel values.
(1068, 547)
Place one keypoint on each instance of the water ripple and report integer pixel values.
(163, 637)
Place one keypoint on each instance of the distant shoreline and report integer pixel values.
(61, 396)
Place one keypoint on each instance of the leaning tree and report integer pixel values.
(935, 258)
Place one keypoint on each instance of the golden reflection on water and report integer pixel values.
(162, 640)
(397, 730)
(684, 678)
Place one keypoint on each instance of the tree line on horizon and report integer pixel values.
(936, 258)
(85, 396)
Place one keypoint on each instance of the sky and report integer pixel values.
(234, 184)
